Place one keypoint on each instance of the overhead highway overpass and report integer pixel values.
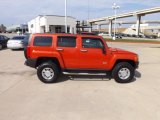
(138, 14)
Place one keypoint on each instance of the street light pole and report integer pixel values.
(88, 9)
(65, 16)
(115, 7)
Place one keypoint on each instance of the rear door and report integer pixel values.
(67, 47)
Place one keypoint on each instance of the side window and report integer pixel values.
(92, 43)
(42, 41)
(66, 42)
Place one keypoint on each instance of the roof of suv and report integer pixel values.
(64, 34)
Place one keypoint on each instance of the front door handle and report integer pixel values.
(59, 49)
(84, 50)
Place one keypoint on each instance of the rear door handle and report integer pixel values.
(84, 50)
(59, 49)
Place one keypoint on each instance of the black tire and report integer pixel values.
(119, 76)
(52, 68)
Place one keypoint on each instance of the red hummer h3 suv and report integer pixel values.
(53, 54)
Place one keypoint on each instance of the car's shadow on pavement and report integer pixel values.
(137, 75)
(14, 50)
(21, 49)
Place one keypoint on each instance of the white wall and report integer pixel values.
(33, 25)
(41, 22)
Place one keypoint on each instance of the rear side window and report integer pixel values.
(66, 42)
(42, 41)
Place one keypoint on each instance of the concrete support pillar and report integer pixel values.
(159, 33)
(100, 27)
(97, 27)
(71, 29)
(110, 27)
(90, 30)
(46, 28)
(138, 24)
(46, 25)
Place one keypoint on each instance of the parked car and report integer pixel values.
(104, 35)
(129, 35)
(3, 41)
(150, 36)
(88, 33)
(53, 54)
(133, 35)
(16, 42)
(117, 35)
(153, 37)
(123, 35)
(26, 40)
(139, 36)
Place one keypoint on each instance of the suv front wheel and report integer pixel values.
(123, 72)
(48, 72)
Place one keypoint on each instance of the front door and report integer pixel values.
(91, 54)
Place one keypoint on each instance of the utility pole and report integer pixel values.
(88, 9)
(65, 16)
(115, 7)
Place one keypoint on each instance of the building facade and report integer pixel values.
(22, 28)
(51, 23)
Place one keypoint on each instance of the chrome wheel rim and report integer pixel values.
(48, 73)
(124, 73)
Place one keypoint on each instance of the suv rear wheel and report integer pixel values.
(48, 72)
(123, 72)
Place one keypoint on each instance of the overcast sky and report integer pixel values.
(21, 11)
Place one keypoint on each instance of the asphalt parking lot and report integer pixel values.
(24, 97)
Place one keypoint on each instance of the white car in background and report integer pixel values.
(16, 43)
(104, 35)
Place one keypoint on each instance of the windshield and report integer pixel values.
(18, 38)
